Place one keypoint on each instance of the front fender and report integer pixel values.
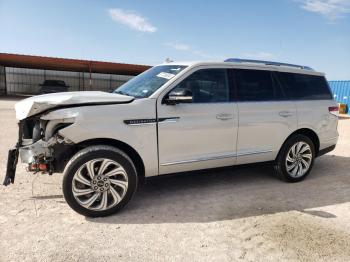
(107, 122)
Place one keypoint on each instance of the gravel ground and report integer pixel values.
(238, 214)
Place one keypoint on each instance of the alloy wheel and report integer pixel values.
(299, 159)
(99, 184)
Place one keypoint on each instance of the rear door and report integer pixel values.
(266, 116)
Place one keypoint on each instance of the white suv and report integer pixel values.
(176, 117)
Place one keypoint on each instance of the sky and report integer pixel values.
(315, 33)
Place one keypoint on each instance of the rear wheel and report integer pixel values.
(99, 181)
(296, 158)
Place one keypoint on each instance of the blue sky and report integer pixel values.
(308, 32)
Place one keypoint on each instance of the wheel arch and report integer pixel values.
(306, 132)
(129, 150)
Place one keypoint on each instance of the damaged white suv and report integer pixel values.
(176, 117)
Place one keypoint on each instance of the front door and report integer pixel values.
(201, 133)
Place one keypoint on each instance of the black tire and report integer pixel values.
(99, 152)
(280, 166)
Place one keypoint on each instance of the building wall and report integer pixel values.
(2, 80)
(341, 92)
(27, 81)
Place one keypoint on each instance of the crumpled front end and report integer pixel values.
(38, 104)
(39, 145)
(29, 154)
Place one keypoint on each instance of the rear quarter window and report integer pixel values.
(305, 87)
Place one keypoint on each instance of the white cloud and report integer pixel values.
(260, 56)
(132, 20)
(331, 9)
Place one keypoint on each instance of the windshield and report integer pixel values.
(149, 81)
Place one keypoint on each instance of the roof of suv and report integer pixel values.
(251, 65)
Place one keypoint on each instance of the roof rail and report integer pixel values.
(251, 61)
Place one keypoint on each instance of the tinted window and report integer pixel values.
(256, 85)
(307, 87)
(207, 86)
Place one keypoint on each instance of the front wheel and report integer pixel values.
(295, 160)
(99, 181)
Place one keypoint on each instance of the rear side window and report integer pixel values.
(305, 87)
(256, 85)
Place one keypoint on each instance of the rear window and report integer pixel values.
(305, 87)
(256, 85)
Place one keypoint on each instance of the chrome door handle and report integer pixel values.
(224, 116)
(285, 113)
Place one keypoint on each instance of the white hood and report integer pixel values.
(36, 104)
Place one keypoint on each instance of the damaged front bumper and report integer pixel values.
(38, 156)
(12, 160)
(35, 151)
(40, 145)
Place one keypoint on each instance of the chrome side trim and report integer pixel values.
(140, 122)
(216, 157)
(143, 124)
(168, 120)
(254, 152)
(150, 121)
(199, 159)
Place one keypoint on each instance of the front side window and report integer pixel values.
(149, 81)
(305, 87)
(256, 85)
(206, 86)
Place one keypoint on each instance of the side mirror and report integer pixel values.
(179, 96)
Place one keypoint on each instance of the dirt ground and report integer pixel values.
(239, 214)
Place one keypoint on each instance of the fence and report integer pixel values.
(27, 81)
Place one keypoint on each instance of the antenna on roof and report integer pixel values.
(251, 61)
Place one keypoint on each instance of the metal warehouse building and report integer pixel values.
(341, 92)
(23, 74)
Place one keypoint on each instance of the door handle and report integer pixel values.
(224, 116)
(285, 113)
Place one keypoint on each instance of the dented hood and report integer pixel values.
(37, 104)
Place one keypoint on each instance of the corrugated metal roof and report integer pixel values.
(64, 64)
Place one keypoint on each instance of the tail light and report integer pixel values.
(334, 110)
